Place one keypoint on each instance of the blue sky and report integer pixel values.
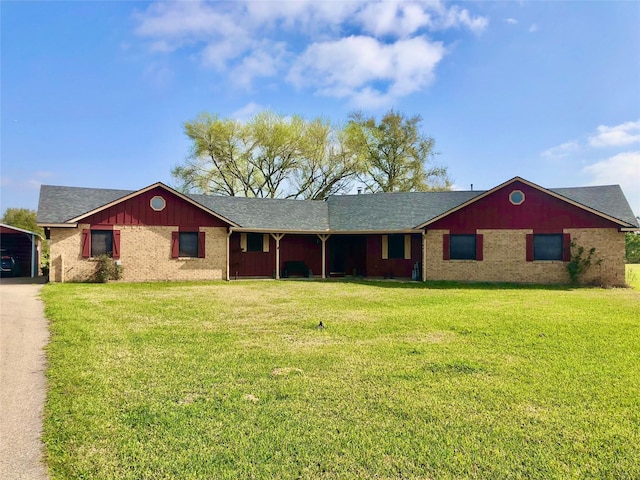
(94, 94)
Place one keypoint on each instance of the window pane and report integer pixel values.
(254, 242)
(547, 247)
(188, 244)
(462, 247)
(101, 242)
(396, 246)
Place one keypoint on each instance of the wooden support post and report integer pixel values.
(277, 237)
(323, 238)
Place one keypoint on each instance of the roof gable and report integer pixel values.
(549, 205)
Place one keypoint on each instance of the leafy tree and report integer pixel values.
(396, 156)
(269, 156)
(25, 219)
(22, 218)
(632, 247)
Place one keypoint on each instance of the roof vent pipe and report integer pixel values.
(359, 190)
(472, 187)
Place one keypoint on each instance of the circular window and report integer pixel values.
(516, 197)
(158, 203)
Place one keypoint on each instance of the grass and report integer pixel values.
(234, 380)
(633, 275)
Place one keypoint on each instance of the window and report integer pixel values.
(516, 197)
(187, 244)
(255, 242)
(547, 247)
(100, 240)
(462, 246)
(396, 246)
(157, 203)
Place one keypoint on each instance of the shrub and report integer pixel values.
(107, 269)
(580, 263)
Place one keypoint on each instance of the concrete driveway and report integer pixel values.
(23, 336)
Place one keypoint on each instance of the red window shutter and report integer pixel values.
(566, 247)
(175, 244)
(201, 251)
(479, 246)
(529, 247)
(116, 244)
(446, 242)
(86, 243)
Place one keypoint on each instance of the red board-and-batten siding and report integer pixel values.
(293, 247)
(540, 211)
(137, 211)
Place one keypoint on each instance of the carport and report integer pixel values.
(24, 245)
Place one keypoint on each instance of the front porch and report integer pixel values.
(291, 255)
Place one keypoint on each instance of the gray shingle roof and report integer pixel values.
(59, 204)
(370, 212)
(268, 213)
(607, 199)
(391, 211)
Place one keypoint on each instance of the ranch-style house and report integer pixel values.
(515, 232)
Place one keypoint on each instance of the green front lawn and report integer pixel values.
(234, 380)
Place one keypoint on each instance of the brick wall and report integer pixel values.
(145, 254)
(505, 259)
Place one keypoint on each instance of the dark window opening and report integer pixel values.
(255, 242)
(188, 244)
(101, 243)
(396, 246)
(462, 247)
(547, 247)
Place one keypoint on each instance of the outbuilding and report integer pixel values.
(20, 250)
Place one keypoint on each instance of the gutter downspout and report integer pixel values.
(229, 232)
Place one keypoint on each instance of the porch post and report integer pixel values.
(323, 238)
(424, 255)
(278, 237)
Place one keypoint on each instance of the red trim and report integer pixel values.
(175, 244)
(529, 247)
(86, 243)
(446, 246)
(116, 244)
(479, 246)
(101, 227)
(566, 247)
(201, 251)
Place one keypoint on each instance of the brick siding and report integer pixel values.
(145, 254)
(505, 259)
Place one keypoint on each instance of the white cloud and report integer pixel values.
(511, 21)
(622, 169)
(620, 135)
(562, 150)
(250, 39)
(368, 71)
(246, 112)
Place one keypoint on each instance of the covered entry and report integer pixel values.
(347, 255)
